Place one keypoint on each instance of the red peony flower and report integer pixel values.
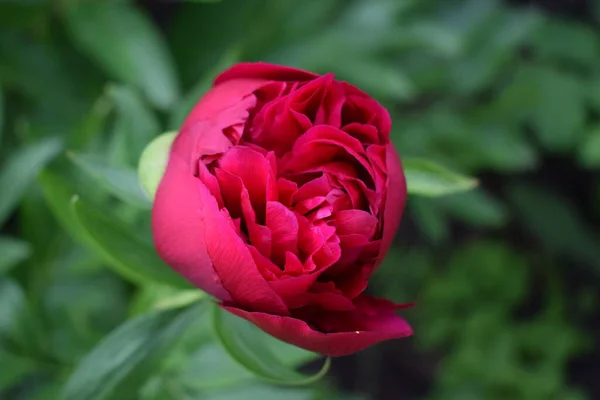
(281, 196)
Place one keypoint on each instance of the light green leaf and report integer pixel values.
(13, 251)
(426, 178)
(121, 363)
(259, 352)
(123, 41)
(210, 367)
(153, 162)
(135, 126)
(121, 182)
(589, 150)
(129, 254)
(163, 297)
(19, 171)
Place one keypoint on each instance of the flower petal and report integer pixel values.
(372, 322)
(256, 174)
(395, 201)
(194, 238)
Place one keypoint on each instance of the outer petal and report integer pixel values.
(179, 236)
(394, 202)
(372, 322)
(192, 236)
(219, 98)
(261, 70)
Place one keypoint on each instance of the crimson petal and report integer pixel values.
(194, 238)
(372, 322)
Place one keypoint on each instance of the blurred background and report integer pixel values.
(505, 277)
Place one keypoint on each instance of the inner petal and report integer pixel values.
(259, 179)
(324, 144)
(283, 225)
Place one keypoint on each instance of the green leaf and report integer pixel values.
(554, 220)
(262, 392)
(379, 79)
(121, 182)
(19, 329)
(19, 171)
(58, 194)
(125, 43)
(163, 297)
(92, 124)
(129, 254)
(153, 162)
(503, 149)
(477, 208)
(121, 363)
(188, 102)
(593, 93)
(430, 218)
(13, 252)
(135, 127)
(14, 368)
(259, 352)
(589, 150)
(559, 115)
(426, 178)
(1, 114)
(210, 367)
(560, 39)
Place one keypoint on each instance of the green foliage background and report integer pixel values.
(505, 276)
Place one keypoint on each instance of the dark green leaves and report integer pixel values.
(1, 114)
(131, 256)
(560, 40)
(559, 115)
(556, 223)
(122, 40)
(19, 171)
(260, 353)
(426, 178)
(121, 363)
(204, 84)
(58, 194)
(12, 251)
(19, 366)
(135, 125)
(19, 329)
